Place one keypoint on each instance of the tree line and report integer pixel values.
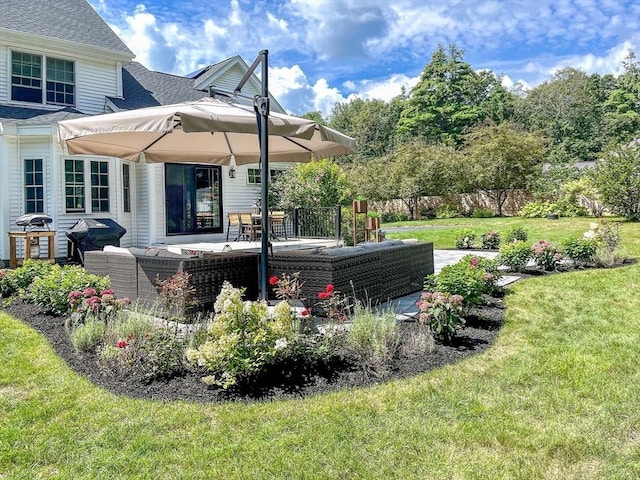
(460, 130)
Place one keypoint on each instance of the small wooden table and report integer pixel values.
(14, 261)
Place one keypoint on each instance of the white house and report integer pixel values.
(60, 60)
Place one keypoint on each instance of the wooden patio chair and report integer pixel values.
(277, 220)
(233, 221)
(250, 226)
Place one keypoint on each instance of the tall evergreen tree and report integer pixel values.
(449, 99)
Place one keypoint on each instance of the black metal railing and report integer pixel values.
(317, 222)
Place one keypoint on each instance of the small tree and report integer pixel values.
(617, 177)
(502, 157)
(314, 184)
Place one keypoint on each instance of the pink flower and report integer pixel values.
(107, 291)
(122, 344)
(273, 280)
(329, 288)
(126, 301)
(474, 262)
(90, 292)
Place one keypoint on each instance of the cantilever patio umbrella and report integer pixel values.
(210, 130)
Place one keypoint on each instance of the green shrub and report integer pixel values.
(539, 209)
(373, 339)
(465, 239)
(7, 285)
(51, 290)
(545, 255)
(160, 355)
(515, 255)
(442, 312)
(482, 213)
(241, 340)
(87, 336)
(390, 217)
(471, 278)
(23, 276)
(447, 211)
(607, 236)
(491, 240)
(582, 251)
(516, 234)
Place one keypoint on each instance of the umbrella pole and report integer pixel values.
(262, 104)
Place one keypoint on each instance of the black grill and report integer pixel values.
(92, 234)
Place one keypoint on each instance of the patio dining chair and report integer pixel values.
(277, 219)
(233, 221)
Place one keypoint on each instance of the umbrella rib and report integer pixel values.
(298, 144)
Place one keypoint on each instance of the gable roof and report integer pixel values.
(70, 20)
(146, 88)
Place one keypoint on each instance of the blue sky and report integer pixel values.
(327, 51)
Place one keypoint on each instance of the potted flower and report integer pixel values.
(372, 221)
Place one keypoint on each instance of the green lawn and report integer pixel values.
(556, 397)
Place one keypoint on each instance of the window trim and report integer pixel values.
(38, 199)
(87, 186)
(273, 172)
(44, 80)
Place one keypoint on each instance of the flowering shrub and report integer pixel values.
(546, 256)
(490, 240)
(176, 295)
(241, 340)
(333, 305)
(442, 312)
(607, 237)
(287, 287)
(582, 251)
(515, 255)
(471, 278)
(465, 239)
(51, 290)
(88, 304)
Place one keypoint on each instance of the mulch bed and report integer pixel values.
(480, 333)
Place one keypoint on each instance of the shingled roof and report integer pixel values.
(72, 20)
(36, 116)
(146, 88)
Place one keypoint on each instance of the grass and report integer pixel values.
(555, 397)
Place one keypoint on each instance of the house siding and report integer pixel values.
(4, 74)
(94, 82)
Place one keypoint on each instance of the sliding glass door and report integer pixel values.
(193, 199)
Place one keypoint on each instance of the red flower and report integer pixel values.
(323, 295)
(273, 280)
(122, 344)
(329, 288)
(304, 312)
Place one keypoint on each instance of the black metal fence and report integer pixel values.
(317, 222)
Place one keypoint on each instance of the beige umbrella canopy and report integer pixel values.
(208, 131)
(205, 131)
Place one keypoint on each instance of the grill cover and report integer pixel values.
(92, 234)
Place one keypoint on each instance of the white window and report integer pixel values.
(40, 79)
(254, 175)
(33, 185)
(75, 185)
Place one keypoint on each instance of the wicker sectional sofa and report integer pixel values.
(134, 272)
(375, 271)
